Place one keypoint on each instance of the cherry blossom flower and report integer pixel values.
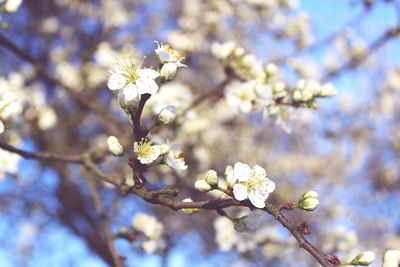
(128, 74)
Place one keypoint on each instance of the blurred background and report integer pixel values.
(347, 149)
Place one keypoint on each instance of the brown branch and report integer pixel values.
(137, 131)
(162, 197)
(43, 156)
(104, 222)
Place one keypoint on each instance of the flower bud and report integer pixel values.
(166, 115)
(271, 70)
(363, 259)
(202, 186)
(306, 95)
(168, 71)
(328, 90)
(128, 98)
(308, 204)
(114, 146)
(310, 194)
(391, 258)
(212, 178)
(297, 95)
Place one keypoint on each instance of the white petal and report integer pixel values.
(116, 81)
(146, 86)
(148, 73)
(259, 171)
(271, 186)
(246, 107)
(257, 199)
(241, 171)
(240, 192)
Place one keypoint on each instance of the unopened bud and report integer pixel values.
(168, 71)
(114, 146)
(128, 98)
(212, 178)
(202, 186)
(166, 115)
(310, 194)
(328, 90)
(363, 259)
(308, 204)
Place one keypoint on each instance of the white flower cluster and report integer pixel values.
(249, 183)
(246, 183)
(132, 81)
(148, 153)
(10, 105)
(152, 230)
(306, 91)
(229, 235)
(262, 89)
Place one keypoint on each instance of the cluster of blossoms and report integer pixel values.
(152, 230)
(246, 183)
(246, 234)
(260, 88)
(133, 82)
(10, 105)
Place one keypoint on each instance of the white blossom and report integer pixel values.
(174, 159)
(225, 234)
(223, 50)
(391, 258)
(145, 152)
(251, 183)
(152, 229)
(8, 163)
(12, 5)
(166, 54)
(240, 95)
(127, 73)
(114, 146)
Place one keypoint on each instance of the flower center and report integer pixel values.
(131, 72)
